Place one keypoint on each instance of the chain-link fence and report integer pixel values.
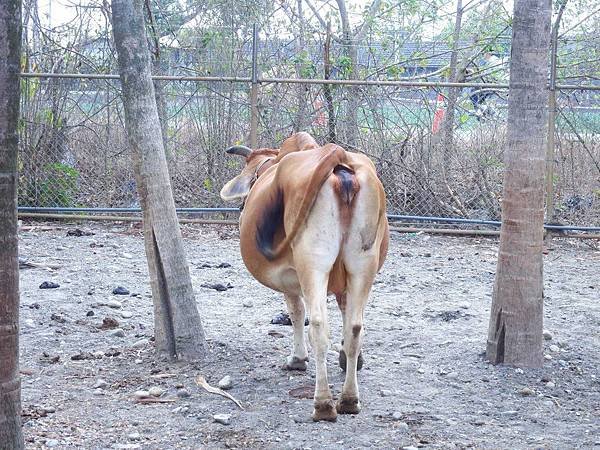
(438, 150)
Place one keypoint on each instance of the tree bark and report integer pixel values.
(11, 436)
(515, 329)
(331, 124)
(178, 329)
(302, 90)
(453, 93)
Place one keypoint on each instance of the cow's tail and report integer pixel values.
(273, 217)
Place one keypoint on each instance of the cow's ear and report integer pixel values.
(237, 187)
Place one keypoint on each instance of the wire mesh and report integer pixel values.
(438, 151)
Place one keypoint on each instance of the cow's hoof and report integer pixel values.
(295, 363)
(348, 405)
(324, 410)
(342, 360)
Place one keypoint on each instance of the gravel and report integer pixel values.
(413, 320)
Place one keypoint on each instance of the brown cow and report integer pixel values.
(314, 224)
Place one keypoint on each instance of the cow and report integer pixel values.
(314, 223)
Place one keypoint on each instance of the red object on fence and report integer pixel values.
(438, 116)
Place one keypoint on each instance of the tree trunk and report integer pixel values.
(11, 436)
(159, 86)
(331, 135)
(350, 41)
(302, 90)
(515, 330)
(453, 93)
(178, 329)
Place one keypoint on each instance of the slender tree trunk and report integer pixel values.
(302, 89)
(159, 86)
(515, 330)
(453, 93)
(331, 135)
(178, 330)
(350, 41)
(11, 436)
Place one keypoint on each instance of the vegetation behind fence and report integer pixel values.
(438, 150)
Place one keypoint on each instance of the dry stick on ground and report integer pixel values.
(201, 381)
(177, 327)
(11, 436)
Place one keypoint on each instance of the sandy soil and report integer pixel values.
(425, 383)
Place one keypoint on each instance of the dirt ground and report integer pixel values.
(425, 383)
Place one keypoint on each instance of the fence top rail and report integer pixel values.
(422, 84)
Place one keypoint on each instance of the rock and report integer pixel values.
(402, 426)
(547, 335)
(284, 319)
(452, 375)
(57, 318)
(224, 419)
(98, 391)
(550, 384)
(127, 255)
(247, 304)
(421, 370)
(140, 344)
(410, 447)
(118, 332)
(519, 371)
(90, 313)
(49, 409)
(547, 357)
(217, 286)
(548, 403)
(464, 305)
(109, 323)
(120, 290)
(51, 443)
(126, 314)
(100, 383)
(49, 285)
(183, 393)
(225, 383)
(115, 304)
(98, 354)
(134, 436)
(386, 393)
(509, 413)
(78, 232)
(554, 348)
(526, 392)
(156, 391)
(141, 394)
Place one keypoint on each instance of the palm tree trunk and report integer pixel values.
(178, 330)
(11, 436)
(515, 330)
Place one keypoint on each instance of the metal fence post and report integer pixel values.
(254, 91)
(552, 118)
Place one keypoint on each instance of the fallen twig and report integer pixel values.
(154, 400)
(201, 381)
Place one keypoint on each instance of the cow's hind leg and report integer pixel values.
(297, 360)
(314, 285)
(341, 301)
(358, 285)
